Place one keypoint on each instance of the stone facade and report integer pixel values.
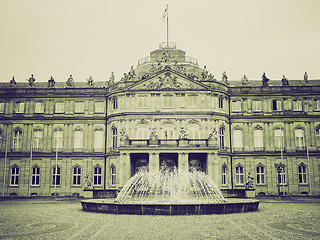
(59, 138)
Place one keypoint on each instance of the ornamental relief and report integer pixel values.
(167, 82)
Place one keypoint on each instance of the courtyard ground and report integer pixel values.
(46, 218)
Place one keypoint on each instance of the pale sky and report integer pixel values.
(83, 38)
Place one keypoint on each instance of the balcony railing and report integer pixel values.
(168, 142)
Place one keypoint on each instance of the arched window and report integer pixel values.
(237, 140)
(15, 171)
(258, 139)
(278, 139)
(239, 175)
(302, 173)
(282, 175)
(78, 140)
(299, 138)
(98, 140)
(193, 131)
(260, 174)
(142, 131)
(76, 176)
(17, 140)
(222, 137)
(114, 138)
(97, 176)
(113, 175)
(37, 140)
(35, 176)
(224, 174)
(58, 139)
(114, 101)
(1, 138)
(167, 131)
(56, 176)
(318, 136)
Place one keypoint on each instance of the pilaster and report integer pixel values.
(183, 161)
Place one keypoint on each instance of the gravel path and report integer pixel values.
(50, 219)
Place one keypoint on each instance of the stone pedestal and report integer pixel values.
(124, 142)
(250, 193)
(87, 193)
(183, 142)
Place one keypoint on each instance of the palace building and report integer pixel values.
(55, 137)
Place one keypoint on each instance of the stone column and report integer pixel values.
(210, 165)
(90, 137)
(154, 162)
(245, 136)
(126, 165)
(183, 161)
(250, 137)
(313, 137)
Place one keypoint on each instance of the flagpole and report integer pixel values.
(167, 26)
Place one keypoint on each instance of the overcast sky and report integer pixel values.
(84, 38)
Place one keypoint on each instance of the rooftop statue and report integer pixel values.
(249, 183)
(90, 81)
(204, 73)
(153, 135)
(31, 81)
(305, 77)
(111, 79)
(12, 81)
(224, 77)
(51, 82)
(131, 74)
(245, 80)
(70, 81)
(285, 81)
(265, 80)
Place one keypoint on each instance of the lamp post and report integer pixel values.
(279, 167)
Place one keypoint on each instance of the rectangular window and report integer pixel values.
(258, 140)
(239, 176)
(276, 105)
(318, 105)
(14, 176)
(297, 105)
(236, 106)
(260, 175)
(56, 176)
(278, 139)
(114, 138)
(237, 140)
(113, 176)
(17, 140)
(99, 107)
(193, 100)
(37, 140)
(223, 175)
(142, 101)
(167, 101)
(59, 107)
(19, 107)
(76, 178)
(221, 103)
(256, 106)
(78, 141)
(302, 174)
(98, 141)
(35, 177)
(282, 176)
(58, 140)
(318, 137)
(2, 107)
(39, 107)
(183, 100)
(299, 138)
(79, 107)
(114, 103)
(97, 176)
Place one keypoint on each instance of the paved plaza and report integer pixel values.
(46, 218)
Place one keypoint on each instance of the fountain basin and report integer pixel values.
(235, 205)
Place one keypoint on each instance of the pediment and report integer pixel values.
(168, 81)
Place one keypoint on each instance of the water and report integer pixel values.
(170, 185)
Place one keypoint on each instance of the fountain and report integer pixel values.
(170, 192)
